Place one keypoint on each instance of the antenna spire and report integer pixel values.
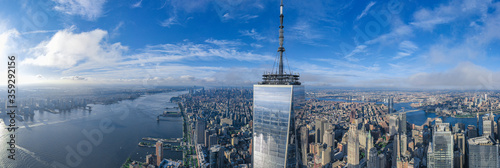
(281, 49)
(278, 77)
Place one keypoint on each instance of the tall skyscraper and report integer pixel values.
(200, 131)
(353, 147)
(403, 144)
(390, 105)
(304, 138)
(393, 125)
(483, 152)
(402, 123)
(159, 152)
(320, 130)
(441, 150)
(371, 152)
(275, 101)
(329, 137)
(489, 125)
(498, 129)
(396, 152)
(460, 140)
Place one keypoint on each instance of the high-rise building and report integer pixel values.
(471, 131)
(329, 138)
(212, 140)
(207, 138)
(402, 123)
(483, 152)
(353, 147)
(489, 125)
(393, 125)
(304, 138)
(159, 152)
(275, 101)
(403, 141)
(382, 160)
(459, 127)
(440, 152)
(371, 153)
(320, 129)
(396, 152)
(373, 160)
(216, 157)
(390, 105)
(326, 154)
(460, 140)
(498, 129)
(200, 131)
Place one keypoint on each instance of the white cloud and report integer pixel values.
(443, 52)
(254, 45)
(74, 78)
(367, 8)
(397, 33)
(39, 76)
(304, 32)
(170, 21)
(358, 50)
(224, 42)
(252, 33)
(88, 9)
(406, 49)
(192, 51)
(428, 19)
(66, 49)
(137, 4)
(464, 75)
(5, 41)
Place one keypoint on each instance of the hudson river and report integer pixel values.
(72, 139)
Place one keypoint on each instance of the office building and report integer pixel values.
(329, 138)
(200, 131)
(483, 152)
(460, 141)
(275, 101)
(212, 140)
(217, 157)
(489, 125)
(320, 128)
(353, 147)
(471, 131)
(390, 105)
(159, 152)
(440, 152)
(402, 123)
(304, 138)
(393, 125)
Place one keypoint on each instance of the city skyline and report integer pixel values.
(231, 43)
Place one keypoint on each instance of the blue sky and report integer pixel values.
(395, 44)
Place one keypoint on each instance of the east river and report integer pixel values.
(104, 137)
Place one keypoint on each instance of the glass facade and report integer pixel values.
(274, 134)
(442, 147)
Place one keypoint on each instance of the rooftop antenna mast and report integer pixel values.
(281, 49)
(280, 77)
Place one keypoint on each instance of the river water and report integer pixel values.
(105, 137)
